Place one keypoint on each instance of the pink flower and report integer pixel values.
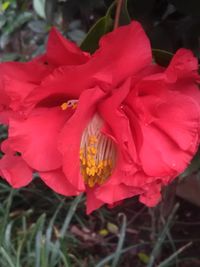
(113, 125)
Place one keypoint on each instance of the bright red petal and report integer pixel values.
(61, 51)
(70, 137)
(17, 91)
(110, 193)
(172, 138)
(92, 203)
(57, 181)
(124, 52)
(113, 62)
(112, 113)
(152, 195)
(15, 171)
(33, 71)
(183, 64)
(36, 137)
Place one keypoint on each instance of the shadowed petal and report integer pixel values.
(57, 181)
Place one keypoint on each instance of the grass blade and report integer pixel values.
(7, 257)
(171, 258)
(120, 242)
(161, 238)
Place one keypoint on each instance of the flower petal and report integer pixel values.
(17, 91)
(110, 193)
(15, 171)
(36, 137)
(70, 137)
(172, 139)
(125, 51)
(57, 181)
(92, 203)
(61, 51)
(33, 71)
(152, 195)
(112, 113)
(110, 64)
(182, 64)
(64, 81)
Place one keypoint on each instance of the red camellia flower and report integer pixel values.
(112, 124)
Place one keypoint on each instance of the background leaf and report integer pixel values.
(103, 26)
(39, 6)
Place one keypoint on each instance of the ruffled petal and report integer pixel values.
(188, 86)
(182, 65)
(63, 81)
(124, 52)
(61, 51)
(70, 137)
(17, 91)
(113, 115)
(110, 193)
(36, 137)
(57, 181)
(171, 140)
(33, 71)
(15, 171)
(18, 79)
(152, 195)
(111, 64)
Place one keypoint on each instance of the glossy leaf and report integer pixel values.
(193, 167)
(162, 57)
(103, 26)
(39, 7)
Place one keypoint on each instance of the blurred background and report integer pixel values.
(39, 228)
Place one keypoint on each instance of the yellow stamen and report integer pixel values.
(64, 106)
(97, 154)
(69, 104)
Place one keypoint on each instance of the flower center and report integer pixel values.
(97, 154)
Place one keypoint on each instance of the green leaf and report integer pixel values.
(162, 57)
(193, 167)
(9, 57)
(103, 26)
(18, 22)
(39, 7)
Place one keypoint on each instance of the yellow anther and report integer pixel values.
(64, 106)
(92, 139)
(97, 155)
(74, 105)
(93, 150)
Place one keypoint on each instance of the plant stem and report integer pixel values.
(117, 14)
